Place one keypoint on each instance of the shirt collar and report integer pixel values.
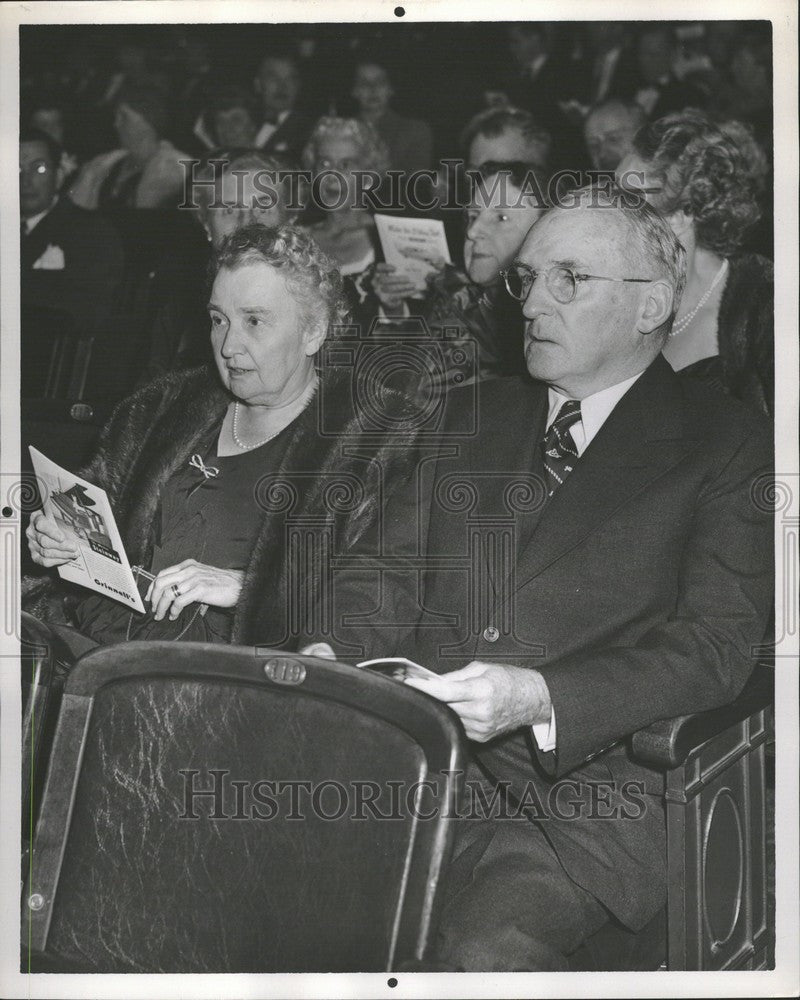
(595, 409)
(535, 65)
(33, 220)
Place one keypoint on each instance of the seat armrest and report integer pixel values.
(667, 743)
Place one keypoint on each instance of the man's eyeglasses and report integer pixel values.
(560, 281)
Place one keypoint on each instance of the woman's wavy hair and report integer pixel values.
(311, 275)
(714, 172)
(374, 149)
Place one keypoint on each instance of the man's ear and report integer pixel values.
(656, 308)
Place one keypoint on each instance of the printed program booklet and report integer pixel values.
(416, 247)
(83, 513)
(397, 667)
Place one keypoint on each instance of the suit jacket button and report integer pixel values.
(491, 634)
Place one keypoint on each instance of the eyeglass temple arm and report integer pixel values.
(600, 277)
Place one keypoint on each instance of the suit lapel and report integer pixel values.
(642, 439)
(500, 460)
(35, 243)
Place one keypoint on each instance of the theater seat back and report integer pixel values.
(202, 816)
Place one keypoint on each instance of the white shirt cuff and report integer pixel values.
(545, 733)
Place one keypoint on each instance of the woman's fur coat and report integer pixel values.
(331, 487)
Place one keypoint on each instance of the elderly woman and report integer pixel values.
(706, 179)
(146, 172)
(507, 199)
(204, 468)
(336, 149)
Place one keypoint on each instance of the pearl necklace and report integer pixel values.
(257, 444)
(237, 440)
(681, 325)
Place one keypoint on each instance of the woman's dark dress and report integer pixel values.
(213, 519)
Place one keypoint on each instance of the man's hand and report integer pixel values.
(491, 698)
(191, 582)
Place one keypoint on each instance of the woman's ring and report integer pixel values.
(176, 590)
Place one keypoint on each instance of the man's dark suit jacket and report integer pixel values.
(639, 592)
(93, 265)
(290, 136)
(409, 141)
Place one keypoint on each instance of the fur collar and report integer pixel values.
(324, 481)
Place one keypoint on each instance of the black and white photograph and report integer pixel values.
(437, 365)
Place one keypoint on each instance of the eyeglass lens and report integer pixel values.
(559, 280)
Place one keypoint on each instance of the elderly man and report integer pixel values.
(609, 130)
(596, 562)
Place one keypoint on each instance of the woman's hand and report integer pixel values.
(392, 288)
(436, 262)
(191, 582)
(48, 544)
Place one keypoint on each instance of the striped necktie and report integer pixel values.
(559, 451)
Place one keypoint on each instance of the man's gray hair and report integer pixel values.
(653, 241)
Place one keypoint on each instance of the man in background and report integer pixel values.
(71, 260)
(283, 129)
(609, 130)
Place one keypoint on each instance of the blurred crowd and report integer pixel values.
(109, 115)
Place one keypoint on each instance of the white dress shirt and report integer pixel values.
(595, 410)
(268, 129)
(606, 64)
(33, 220)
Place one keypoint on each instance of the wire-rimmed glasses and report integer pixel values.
(561, 281)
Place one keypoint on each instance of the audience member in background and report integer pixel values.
(474, 301)
(195, 80)
(47, 112)
(497, 135)
(70, 259)
(533, 79)
(179, 334)
(705, 180)
(745, 90)
(146, 172)
(660, 91)
(133, 69)
(609, 130)
(283, 129)
(409, 140)
(181, 460)
(229, 122)
(506, 135)
(346, 232)
(603, 66)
